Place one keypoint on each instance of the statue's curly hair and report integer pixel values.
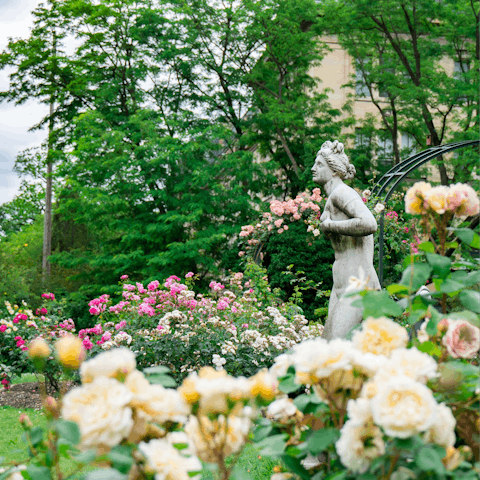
(337, 160)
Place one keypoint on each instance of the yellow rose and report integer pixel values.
(39, 348)
(70, 351)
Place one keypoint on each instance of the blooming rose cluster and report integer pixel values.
(383, 384)
(175, 311)
(459, 199)
(280, 215)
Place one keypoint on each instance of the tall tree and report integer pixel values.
(403, 47)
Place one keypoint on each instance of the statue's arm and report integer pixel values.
(360, 223)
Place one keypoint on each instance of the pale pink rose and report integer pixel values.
(278, 222)
(470, 204)
(462, 339)
(241, 254)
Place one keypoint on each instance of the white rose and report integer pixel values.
(410, 362)
(316, 359)
(379, 207)
(280, 367)
(114, 363)
(404, 407)
(359, 444)
(101, 410)
(442, 432)
(282, 409)
(167, 462)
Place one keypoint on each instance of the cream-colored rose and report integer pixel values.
(442, 432)
(462, 339)
(282, 409)
(101, 410)
(70, 351)
(380, 336)
(359, 411)
(316, 359)
(214, 390)
(436, 199)
(409, 362)
(357, 284)
(404, 407)
(167, 462)
(39, 348)
(280, 367)
(224, 434)
(338, 386)
(116, 363)
(414, 198)
(359, 444)
(379, 208)
(367, 363)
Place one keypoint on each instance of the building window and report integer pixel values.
(361, 89)
(408, 142)
(385, 150)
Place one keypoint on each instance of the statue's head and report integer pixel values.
(335, 157)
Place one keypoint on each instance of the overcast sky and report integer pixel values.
(15, 21)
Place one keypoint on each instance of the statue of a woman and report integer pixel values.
(350, 225)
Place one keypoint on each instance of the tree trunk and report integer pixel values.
(47, 222)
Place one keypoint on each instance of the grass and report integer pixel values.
(14, 449)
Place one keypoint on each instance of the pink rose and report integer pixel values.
(462, 339)
(3, 328)
(94, 310)
(87, 343)
(123, 277)
(189, 275)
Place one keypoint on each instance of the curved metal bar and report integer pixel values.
(433, 152)
(399, 172)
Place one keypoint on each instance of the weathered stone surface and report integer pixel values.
(350, 225)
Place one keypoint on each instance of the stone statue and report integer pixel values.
(350, 225)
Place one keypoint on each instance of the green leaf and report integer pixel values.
(440, 264)
(161, 369)
(164, 380)
(39, 473)
(468, 236)
(427, 247)
(295, 465)
(470, 299)
(273, 446)
(320, 440)
(85, 457)
(451, 286)
(307, 403)
(262, 432)
(472, 278)
(121, 459)
(338, 476)
(378, 304)
(69, 431)
(466, 315)
(396, 288)
(36, 435)
(428, 459)
(287, 384)
(416, 275)
(106, 474)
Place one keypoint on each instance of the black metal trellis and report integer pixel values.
(397, 173)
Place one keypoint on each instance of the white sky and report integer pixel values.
(15, 21)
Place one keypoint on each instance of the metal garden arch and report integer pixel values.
(397, 173)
